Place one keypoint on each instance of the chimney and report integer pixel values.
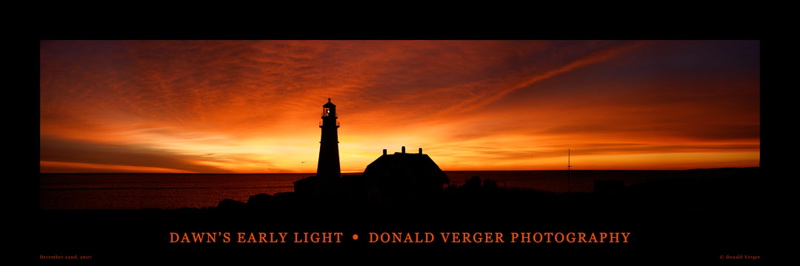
(384, 151)
(420, 150)
(404, 149)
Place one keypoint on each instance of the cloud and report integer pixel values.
(61, 150)
(234, 85)
(259, 102)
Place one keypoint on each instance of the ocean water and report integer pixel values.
(175, 191)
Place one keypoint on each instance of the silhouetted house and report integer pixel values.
(403, 177)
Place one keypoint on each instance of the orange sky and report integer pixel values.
(254, 106)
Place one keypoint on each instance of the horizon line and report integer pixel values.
(352, 173)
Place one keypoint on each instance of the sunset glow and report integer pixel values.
(254, 106)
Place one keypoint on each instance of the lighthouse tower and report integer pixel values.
(328, 171)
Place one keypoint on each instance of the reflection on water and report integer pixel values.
(174, 191)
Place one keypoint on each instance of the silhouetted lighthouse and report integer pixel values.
(328, 166)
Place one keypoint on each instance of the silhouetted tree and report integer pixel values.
(490, 185)
(231, 204)
(472, 185)
(260, 200)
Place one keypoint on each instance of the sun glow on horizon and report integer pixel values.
(254, 106)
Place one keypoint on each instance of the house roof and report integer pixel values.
(416, 167)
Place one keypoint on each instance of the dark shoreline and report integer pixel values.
(56, 185)
(698, 218)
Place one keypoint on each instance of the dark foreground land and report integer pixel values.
(716, 216)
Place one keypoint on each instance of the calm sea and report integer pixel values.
(175, 191)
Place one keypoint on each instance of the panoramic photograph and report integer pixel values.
(562, 150)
